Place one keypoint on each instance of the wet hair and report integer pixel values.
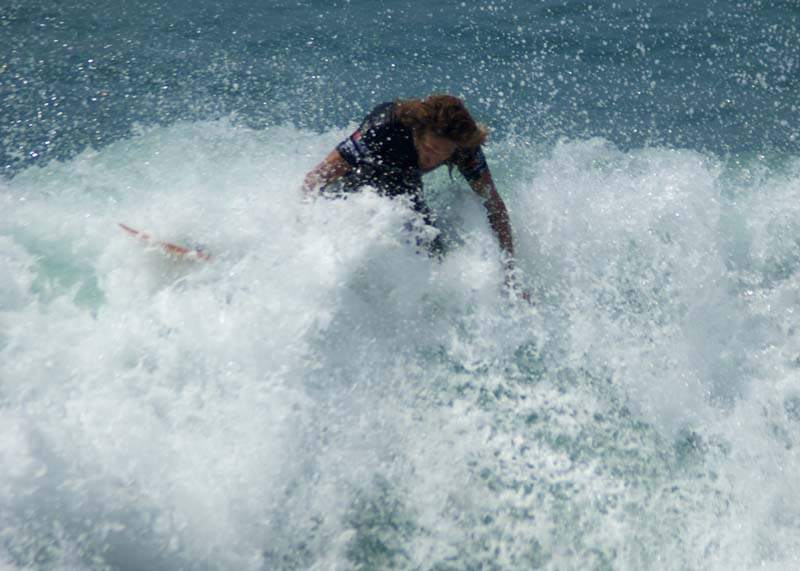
(444, 115)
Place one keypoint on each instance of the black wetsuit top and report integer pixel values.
(382, 154)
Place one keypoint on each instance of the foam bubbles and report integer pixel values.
(321, 395)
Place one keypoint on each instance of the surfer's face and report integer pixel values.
(433, 150)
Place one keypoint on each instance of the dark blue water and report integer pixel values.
(717, 76)
(318, 395)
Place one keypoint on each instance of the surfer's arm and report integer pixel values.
(498, 220)
(329, 170)
(496, 210)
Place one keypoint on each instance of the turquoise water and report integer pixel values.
(320, 396)
(714, 76)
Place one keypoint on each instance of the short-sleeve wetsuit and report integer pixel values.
(382, 154)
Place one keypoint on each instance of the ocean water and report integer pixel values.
(320, 396)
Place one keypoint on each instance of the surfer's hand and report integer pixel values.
(307, 194)
(512, 282)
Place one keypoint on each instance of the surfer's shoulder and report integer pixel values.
(381, 115)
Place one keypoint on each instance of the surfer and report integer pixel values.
(400, 141)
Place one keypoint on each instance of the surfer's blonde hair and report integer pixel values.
(444, 115)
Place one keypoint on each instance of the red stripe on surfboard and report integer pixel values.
(166, 246)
